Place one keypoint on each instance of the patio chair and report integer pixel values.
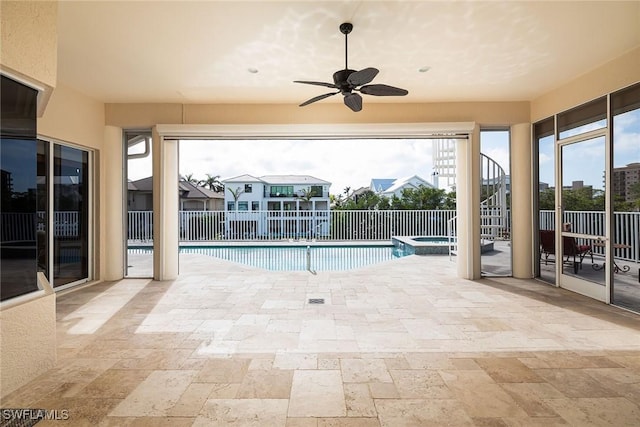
(547, 244)
(578, 252)
(572, 252)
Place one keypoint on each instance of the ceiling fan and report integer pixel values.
(347, 81)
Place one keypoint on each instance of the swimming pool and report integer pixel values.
(297, 258)
(300, 258)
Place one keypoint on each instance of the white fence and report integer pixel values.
(209, 226)
(23, 226)
(626, 229)
(206, 226)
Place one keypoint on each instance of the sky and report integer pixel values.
(585, 161)
(345, 163)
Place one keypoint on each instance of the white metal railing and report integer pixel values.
(23, 226)
(493, 207)
(275, 225)
(452, 236)
(626, 229)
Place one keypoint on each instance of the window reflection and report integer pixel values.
(625, 188)
(18, 220)
(71, 215)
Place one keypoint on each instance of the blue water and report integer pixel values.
(288, 258)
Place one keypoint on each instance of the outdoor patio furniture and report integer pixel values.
(573, 253)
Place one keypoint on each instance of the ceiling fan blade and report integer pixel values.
(362, 77)
(331, 85)
(318, 98)
(383, 90)
(353, 101)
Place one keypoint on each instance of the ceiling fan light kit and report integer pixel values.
(347, 81)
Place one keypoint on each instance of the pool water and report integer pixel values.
(294, 258)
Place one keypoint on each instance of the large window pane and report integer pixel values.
(585, 118)
(43, 207)
(543, 135)
(18, 252)
(71, 215)
(626, 197)
(18, 157)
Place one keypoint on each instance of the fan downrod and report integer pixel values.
(346, 28)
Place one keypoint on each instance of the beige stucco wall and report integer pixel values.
(30, 26)
(148, 115)
(617, 74)
(27, 339)
(73, 117)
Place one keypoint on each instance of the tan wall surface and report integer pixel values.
(29, 47)
(73, 117)
(28, 341)
(147, 115)
(614, 75)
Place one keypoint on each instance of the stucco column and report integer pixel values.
(468, 205)
(165, 208)
(112, 192)
(521, 201)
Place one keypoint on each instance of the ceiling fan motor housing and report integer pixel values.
(340, 80)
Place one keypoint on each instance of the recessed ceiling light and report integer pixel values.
(424, 69)
(252, 70)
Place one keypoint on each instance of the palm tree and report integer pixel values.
(236, 195)
(189, 178)
(212, 183)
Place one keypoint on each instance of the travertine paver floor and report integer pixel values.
(403, 343)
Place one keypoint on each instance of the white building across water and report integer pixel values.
(276, 205)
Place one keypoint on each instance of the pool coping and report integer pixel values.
(416, 247)
(272, 243)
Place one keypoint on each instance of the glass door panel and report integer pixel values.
(70, 216)
(139, 213)
(626, 205)
(546, 200)
(583, 232)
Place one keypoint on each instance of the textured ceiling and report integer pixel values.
(201, 52)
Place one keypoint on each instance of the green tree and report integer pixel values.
(212, 182)
(191, 179)
(547, 199)
(423, 197)
(635, 194)
(236, 195)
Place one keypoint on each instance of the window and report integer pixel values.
(281, 191)
(19, 172)
(255, 206)
(231, 206)
(243, 206)
(247, 188)
(584, 118)
(71, 215)
(316, 190)
(42, 230)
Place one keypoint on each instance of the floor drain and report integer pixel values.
(316, 300)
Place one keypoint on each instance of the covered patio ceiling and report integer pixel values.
(251, 52)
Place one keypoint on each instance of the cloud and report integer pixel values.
(352, 162)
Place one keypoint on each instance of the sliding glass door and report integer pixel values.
(71, 215)
(589, 208)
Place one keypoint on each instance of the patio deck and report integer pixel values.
(402, 343)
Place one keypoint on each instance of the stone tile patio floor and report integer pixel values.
(402, 343)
